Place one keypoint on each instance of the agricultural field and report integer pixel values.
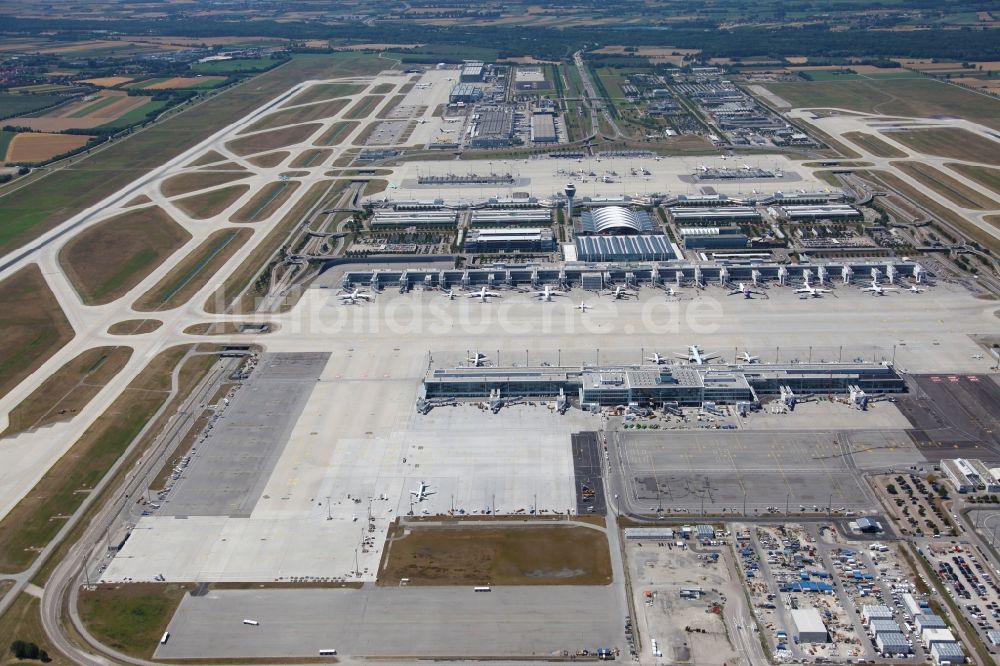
(920, 97)
(301, 114)
(33, 326)
(102, 108)
(41, 205)
(210, 204)
(532, 555)
(36, 147)
(194, 272)
(5, 139)
(265, 202)
(946, 186)
(69, 389)
(265, 141)
(108, 81)
(15, 105)
(234, 65)
(130, 246)
(952, 142)
(179, 83)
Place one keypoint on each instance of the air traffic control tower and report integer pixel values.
(570, 192)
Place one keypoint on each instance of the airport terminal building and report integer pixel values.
(688, 385)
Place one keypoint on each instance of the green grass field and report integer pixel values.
(131, 618)
(135, 115)
(916, 97)
(5, 139)
(17, 105)
(49, 201)
(235, 65)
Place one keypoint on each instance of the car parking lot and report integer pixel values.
(967, 578)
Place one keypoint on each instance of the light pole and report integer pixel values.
(328, 516)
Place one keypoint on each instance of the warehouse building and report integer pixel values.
(472, 72)
(929, 621)
(466, 93)
(892, 643)
(650, 247)
(727, 215)
(808, 626)
(404, 219)
(871, 612)
(831, 212)
(876, 627)
(543, 128)
(930, 637)
(511, 217)
(715, 238)
(510, 239)
(492, 127)
(613, 220)
(950, 653)
(970, 476)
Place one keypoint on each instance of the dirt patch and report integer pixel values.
(299, 114)
(36, 147)
(69, 389)
(265, 202)
(186, 183)
(265, 141)
(107, 260)
(134, 327)
(543, 554)
(33, 326)
(210, 204)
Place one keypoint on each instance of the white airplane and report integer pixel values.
(877, 289)
(421, 493)
(621, 293)
(548, 293)
(450, 294)
(748, 358)
(355, 297)
(477, 360)
(809, 290)
(582, 306)
(696, 355)
(744, 289)
(672, 293)
(483, 295)
(657, 359)
(914, 289)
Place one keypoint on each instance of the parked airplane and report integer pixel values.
(672, 293)
(582, 306)
(697, 355)
(355, 297)
(548, 293)
(809, 290)
(483, 295)
(621, 293)
(744, 289)
(914, 289)
(450, 294)
(421, 493)
(748, 358)
(877, 289)
(478, 360)
(657, 359)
